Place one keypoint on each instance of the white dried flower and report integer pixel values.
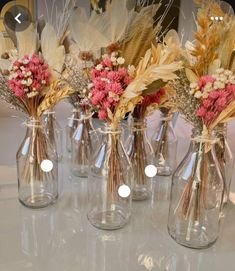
(105, 56)
(198, 95)
(228, 72)
(114, 54)
(205, 95)
(99, 67)
(90, 85)
(113, 59)
(29, 82)
(222, 78)
(208, 87)
(43, 82)
(23, 82)
(131, 70)
(32, 94)
(219, 85)
(220, 70)
(120, 60)
(25, 61)
(193, 85)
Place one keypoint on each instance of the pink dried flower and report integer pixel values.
(32, 74)
(107, 62)
(109, 83)
(102, 114)
(207, 103)
(209, 117)
(204, 80)
(201, 112)
(214, 94)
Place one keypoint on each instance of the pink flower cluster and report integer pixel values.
(154, 98)
(28, 76)
(109, 81)
(220, 93)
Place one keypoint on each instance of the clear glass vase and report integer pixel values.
(110, 186)
(54, 132)
(225, 157)
(37, 168)
(196, 195)
(140, 153)
(71, 127)
(164, 143)
(82, 144)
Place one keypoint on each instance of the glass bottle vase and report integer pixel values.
(111, 178)
(71, 127)
(140, 153)
(54, 132)
(164, 143)
(37, 168)
(196, 196)
(225, 157)
(82, 145)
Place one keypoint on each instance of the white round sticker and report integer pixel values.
(124, 191)
(150, 171)
(46, 165)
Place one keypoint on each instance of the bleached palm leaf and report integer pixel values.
(84, 33)
(53, 53)
(27, 41)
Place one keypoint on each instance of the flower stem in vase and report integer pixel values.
(225, 158)
(196, 197)
(164, 143)
(110, 186)
(82, 145)
(54, 132)
(140, 153)
(37, 168)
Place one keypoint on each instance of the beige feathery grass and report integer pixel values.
(154, 67)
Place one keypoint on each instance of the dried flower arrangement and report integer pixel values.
(205, 95)
(29, 76)
(205, 88)
(133, 63)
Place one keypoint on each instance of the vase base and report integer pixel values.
(80, 173)
(38, 201)
(183, 242)
(108, 220)
(140, 194)
(164, 171)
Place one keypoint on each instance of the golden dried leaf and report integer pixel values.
(58, 91)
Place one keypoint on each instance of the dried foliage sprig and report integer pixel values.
(8, 96)
(78, 78)
(186, 103)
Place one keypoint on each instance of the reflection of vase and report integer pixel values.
(140, 153)
(196, 196)
(164, 143)
(82, 145)
(37, 168)
(110, 186)
(54, 132)
(37, 234)
(109, 250)
(71, 127)
(225, 157)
